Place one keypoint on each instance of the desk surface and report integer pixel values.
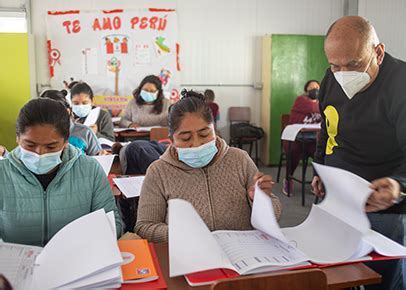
(337, 277)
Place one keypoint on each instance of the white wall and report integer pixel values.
(388, 18)
(220, 39)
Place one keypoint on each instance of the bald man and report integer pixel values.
(363, 106)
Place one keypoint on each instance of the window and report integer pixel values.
(13, 21)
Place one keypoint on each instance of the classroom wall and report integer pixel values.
(220, 40)
(388, 18)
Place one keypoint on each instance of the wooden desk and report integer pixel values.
(337, 277)
(131, 135)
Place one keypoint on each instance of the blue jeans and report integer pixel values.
(391, 226)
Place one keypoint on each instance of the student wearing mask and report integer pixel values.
(305, 110)
(82, 103)
(45, 182)
(81, 136)
(201, 168)
(149, 106)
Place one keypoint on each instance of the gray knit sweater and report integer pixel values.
(218, 192)
(143, 115)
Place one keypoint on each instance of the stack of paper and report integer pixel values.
(106, 161)
(82, 254)
(336, 231)
(129, 186)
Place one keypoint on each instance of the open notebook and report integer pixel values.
(336, 231)
(82, 254)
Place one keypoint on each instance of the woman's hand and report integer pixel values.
(264, 182)
(94, 128)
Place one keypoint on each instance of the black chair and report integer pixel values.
(282, 157)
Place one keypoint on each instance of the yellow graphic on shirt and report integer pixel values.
(332, 128)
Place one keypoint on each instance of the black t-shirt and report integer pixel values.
(366, 134)
(45, 179)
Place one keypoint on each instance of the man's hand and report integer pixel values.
(264, 182)
(385, 193)
(317, 187)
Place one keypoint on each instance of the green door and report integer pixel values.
(295, 60)
(14, 83)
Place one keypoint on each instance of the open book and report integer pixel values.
(336, 231)
(82, 254)
(107, 144)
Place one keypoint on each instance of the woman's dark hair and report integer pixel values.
(209, 95)
(81, 87)
(159, 102)
(309, 82)
(44, 111)
(59, 96)
(191, 102)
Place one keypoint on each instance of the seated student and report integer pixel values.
(81, 136)
(201, 168)
(305, 110)
(135, 158)
(81, 96)
(215, 110)
(45, 183)
(149, 106)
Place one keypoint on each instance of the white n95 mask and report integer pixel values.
(353, 81)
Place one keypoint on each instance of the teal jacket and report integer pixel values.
(30, 215)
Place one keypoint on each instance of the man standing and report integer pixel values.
(363, 107)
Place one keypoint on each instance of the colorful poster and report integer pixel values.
(114, 50)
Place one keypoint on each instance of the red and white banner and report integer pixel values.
(118, 46)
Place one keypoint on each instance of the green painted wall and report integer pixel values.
(14, 83)
(295, 60)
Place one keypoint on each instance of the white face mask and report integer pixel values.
(353, 81)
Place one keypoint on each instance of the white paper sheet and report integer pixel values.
(106, 161)
(192, 248)
(116, 119)
(92, 117)
(250, 250)
(84, 247)
(384, 246)
(346, 196)
(130, 186)
(118, 130)
(17, 262)
(146, 129)
(324, 238)
(107, 142)
(290, 132)
(263, 216)
(1, 158)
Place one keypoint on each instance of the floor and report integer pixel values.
(293, 213)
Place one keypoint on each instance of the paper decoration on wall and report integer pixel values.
(165, 77)
(142, 53)
(161, 46)
(143, 40)
(89, 61)
(116, 43)
(174, 96)
(54, 56)
(114, 65)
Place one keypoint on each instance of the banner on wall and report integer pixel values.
(114, 50)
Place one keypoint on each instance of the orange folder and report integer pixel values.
(138, 265)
